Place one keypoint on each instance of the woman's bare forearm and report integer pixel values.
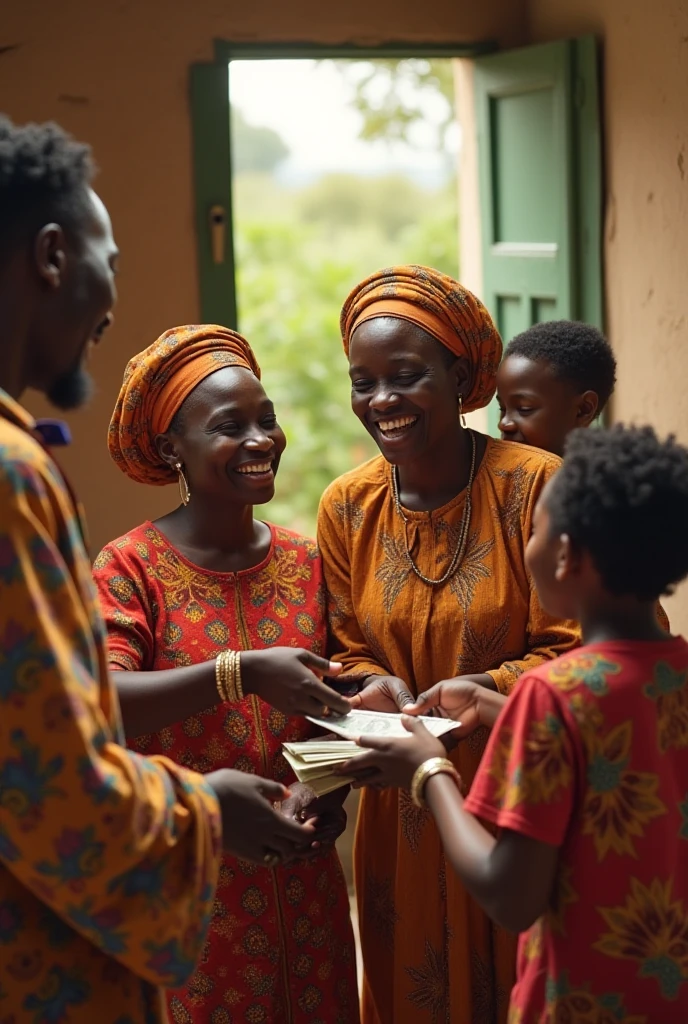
(150, 701)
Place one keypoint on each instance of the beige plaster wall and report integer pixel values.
(116, 75)
(470, 243)
(645, 85)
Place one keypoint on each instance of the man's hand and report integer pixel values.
(251, 827)
(325, 814)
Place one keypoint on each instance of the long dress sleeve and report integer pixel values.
(127, 609)
(124, 849)
(546, 636)
(346, 641)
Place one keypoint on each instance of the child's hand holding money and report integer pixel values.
(392, 761)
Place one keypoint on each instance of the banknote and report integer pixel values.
(378, 723)
(314, 761)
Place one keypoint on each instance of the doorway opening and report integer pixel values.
(339, 167)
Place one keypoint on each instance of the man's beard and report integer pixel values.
(72, 390)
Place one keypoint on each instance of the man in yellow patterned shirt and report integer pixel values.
(108, 860)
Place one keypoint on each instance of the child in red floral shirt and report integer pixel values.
(586, 771)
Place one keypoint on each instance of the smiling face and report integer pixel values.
(227, 437)
(404, 387)
(537, 407)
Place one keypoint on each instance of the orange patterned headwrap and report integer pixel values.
(441, 307)
(156, 383)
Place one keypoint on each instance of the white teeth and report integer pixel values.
(405, 421)
(259, 467)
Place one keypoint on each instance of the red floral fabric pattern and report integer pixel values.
(280, 947)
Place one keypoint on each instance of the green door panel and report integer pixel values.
(540, 186)
(213, 187)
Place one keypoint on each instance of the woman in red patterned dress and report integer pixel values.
(205, 578)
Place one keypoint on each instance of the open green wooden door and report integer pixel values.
(540, 185)
(213, 184)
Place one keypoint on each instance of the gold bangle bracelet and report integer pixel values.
(219, 676)
(433, 766)
(238, 685)
(223, 676)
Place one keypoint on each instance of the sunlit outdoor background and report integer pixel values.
(339, 168)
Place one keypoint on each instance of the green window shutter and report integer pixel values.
(540, 185)
(213, 188)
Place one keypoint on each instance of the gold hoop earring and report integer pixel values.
(462, 418)
(184, 492)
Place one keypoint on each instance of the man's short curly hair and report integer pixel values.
(576, 352)
(622, 495)
(44, 175)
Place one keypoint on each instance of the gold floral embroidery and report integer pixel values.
(394, 571)
(339, 606)
(431, 981)
(103, 559)
(185, 588)
(350, 512)
(652, 930)
(488, 995)
(379, 904)
(482, 650)
(510, 511)
(413, 820)
(669, 690)
(376, 648)
(472, 569)
(619, 802)
(296, 540)
(278, 583)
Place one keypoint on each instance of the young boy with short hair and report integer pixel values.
(586, 770)
(554, 377)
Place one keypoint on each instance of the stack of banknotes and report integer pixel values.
(314, 761)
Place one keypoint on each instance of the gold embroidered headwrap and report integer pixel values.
(156, 383)
(440, 306)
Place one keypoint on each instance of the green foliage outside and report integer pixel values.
(256, 148)
(299, 252)
(387, 95)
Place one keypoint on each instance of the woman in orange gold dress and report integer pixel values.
(205, 578)
(423, 551)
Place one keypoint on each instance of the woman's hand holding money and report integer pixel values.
(392, 761)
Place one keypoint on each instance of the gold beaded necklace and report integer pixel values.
(460, 550)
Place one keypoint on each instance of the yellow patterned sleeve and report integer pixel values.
(546, 636)
(347, 644)
(125, 849)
